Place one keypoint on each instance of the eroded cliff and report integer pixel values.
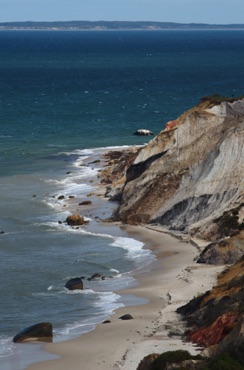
(190, 178)
(190, 173)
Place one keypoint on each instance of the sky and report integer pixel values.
(180, 11)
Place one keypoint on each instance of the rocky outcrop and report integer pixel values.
(74, 284)
(190, 173)
(214, 316)
(224, 252)
(113, 175)
(76, 220)
(216, 332)
(39, 332)
(233, 340)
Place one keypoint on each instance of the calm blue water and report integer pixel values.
(62, 95)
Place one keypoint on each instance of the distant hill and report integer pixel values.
(115, 25)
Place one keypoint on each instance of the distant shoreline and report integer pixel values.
(115, 25)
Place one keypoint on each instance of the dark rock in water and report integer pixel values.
(68, 173)
(60, 222)
(143, 132)
(126, 317)
(1, 232)
(39, 332)
(71, 196)
(75, 283)
(75, 220)
(95, 276)
(85, 203)
(61, 197)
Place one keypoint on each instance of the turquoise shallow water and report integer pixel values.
(63, 94)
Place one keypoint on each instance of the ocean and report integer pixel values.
(65, 98)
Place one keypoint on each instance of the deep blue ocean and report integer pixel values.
(64, 97)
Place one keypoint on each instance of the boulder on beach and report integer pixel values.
(107, 322)
(39, 332)
(74, 284)
(127, 316)
(76, 220)
(143, 132)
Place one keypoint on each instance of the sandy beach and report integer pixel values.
(174, 278)
(169, 282)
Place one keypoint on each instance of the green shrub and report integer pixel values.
(222, 362)
(171, 357)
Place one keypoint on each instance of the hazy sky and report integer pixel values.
(182, 11)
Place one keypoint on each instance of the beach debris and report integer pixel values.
(76, 220)
(41, 332)
(85, 203)
(127, 316)
(143, 132)
(74, 284)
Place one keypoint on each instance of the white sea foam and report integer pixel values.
(5, 136)
(53, 291)
(89, 152)
(6, 346)
(81, 152)
(114, 270)
(85, 291)
(134, 248)
(106, 302)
